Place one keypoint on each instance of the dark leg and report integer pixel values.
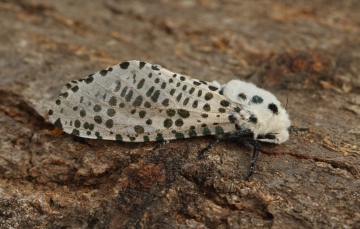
(256, 146)
(237, 135)
(291, 129)
(227, 137)
(245, 136)
(158, 146)
(201, 153)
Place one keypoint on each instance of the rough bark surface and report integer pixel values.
(305, 52)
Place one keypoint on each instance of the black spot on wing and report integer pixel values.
(224, 103)
(75, 89)
(232, 118)
(89, 79)
(196, 83)
(155, 67)
(75, 132)
(159, 137)
(58, 123)
(141, 64)
(124, 65)
(212, 88)
(64, 95)
(103, 72)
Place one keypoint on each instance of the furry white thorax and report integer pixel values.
(267, 121)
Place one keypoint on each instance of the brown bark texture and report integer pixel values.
(305, 52)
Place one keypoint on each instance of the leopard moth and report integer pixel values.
(136, 101)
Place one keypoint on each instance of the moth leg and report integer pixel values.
(227, 137)
(291, 128)
(256, 145)
(159, 145)
(201, 153)
(242, 135)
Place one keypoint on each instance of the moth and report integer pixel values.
(135, 101)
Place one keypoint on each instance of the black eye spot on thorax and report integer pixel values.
(242, 96)
(253, 119)
(257, 99)
(273, 108)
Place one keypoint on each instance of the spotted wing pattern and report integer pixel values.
(137, 101)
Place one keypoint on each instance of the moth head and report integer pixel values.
(268, 126)
(261, 112)
(274, 129)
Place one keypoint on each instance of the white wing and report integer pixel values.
(137, 101)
